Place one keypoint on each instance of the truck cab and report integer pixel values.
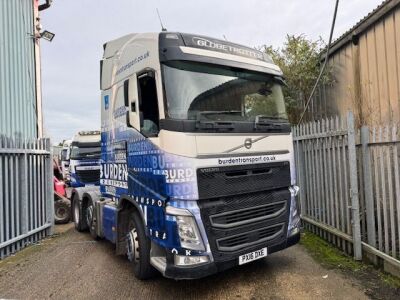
(84, 166)
(197, 167)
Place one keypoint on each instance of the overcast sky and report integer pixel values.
(70, 64)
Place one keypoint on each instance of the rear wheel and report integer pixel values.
(91, 219)
(62, 211)
(79, 214)
(138, 248)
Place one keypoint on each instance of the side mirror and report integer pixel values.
(130, 112)
(132, 103)
(141, 119)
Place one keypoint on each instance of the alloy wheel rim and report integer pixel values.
(133, 246)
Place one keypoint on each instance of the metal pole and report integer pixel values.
(368, 192)
(50, 188)
(355, 208)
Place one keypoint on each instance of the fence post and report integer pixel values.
(24, 197)
(299, 166)
(355, 205)
(2, 173)
(49, 187)
(368, 192)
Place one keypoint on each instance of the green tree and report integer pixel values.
(300, 62)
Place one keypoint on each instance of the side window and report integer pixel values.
(148, 107)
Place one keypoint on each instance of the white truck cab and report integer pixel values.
(197, 158)
(84, 167)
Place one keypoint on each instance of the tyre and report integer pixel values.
(91, 219)
(62, 211)
(79, 214)
(138, 248)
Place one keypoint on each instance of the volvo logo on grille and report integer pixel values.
(248, 143)
(209, 170)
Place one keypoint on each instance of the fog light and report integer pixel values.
(182, 260)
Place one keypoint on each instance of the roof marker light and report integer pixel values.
(172, 36)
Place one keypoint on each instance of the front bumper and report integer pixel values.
(201, 271)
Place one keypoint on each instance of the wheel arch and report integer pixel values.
(125, 204)
(92, 195)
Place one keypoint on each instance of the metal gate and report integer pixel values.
(350, 185)
(26, 193)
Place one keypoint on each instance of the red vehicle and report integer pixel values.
(62, 205)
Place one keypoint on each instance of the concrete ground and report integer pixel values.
(73, 266)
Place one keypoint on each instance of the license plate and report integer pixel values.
(246, 258)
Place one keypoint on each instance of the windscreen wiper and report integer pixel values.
(217, 112)
(272, 123)
(205, 123)
(264, 118)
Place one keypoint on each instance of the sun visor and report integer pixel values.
(182, 46)
(212, 44)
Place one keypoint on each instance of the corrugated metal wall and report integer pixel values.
(367, 75)
(17, 69)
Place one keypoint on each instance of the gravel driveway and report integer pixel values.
(72, 266)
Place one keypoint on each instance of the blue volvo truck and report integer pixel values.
(197, 168)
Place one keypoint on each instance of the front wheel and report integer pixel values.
(138, 248)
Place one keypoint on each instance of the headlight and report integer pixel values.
(188, 231)
(294, 217)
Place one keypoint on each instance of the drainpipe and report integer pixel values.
(358, 99)
(38, 84)
(38, 71)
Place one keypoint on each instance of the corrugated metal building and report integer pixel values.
(366, 67)
(20, 103)
(26, 186)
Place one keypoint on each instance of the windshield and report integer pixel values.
(218, 93)
(85, 152)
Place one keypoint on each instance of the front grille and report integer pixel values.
(233, 180)
(248, 215)
(247, 239)
(244, 208)
(243, 223)
(88, 176)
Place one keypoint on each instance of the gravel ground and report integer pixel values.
(73, 266)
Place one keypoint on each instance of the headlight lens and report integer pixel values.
(189, 233)
(294, 218)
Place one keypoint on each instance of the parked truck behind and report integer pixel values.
(84, 165)
(197, 168)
